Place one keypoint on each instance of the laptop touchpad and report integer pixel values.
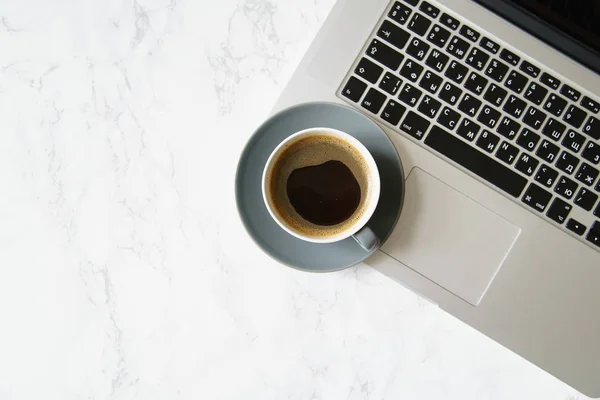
(449, 238)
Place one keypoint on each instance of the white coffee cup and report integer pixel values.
(359, 229)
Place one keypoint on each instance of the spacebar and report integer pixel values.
(475, 161)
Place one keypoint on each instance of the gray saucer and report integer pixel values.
(284, 247)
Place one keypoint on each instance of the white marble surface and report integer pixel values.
(124, 270)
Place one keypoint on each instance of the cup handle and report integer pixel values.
(367, 239)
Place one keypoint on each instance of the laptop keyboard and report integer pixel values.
(454, 89)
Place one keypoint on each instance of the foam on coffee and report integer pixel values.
(312, 151)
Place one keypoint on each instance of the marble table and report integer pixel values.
(125, 272)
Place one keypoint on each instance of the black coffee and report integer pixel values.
(325, 194)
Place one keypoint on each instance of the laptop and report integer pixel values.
(494, 108)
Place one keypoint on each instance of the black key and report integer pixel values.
(547, 151)
(527, 164)
(410, 95)
(437, 60)
(536, 93)
(573, 141)
(529, 69)
(587, 174)
(477, 58)
(554, 129)
(373, 100)
(510, 57)
(476, 83)
(495, 95)
(469, 33)
(468, 129)
(496, 70)
(390, 83)
(507, 153)
(384, 54)
(354, 89)
(458, 47)
(414, 125)
(400, 13)
(417, 48)
(431, 82)
(450, 93)
(528, 139)
(567, 162)
(449, 21)
(534, 118)
(438, 35)
(429, 106)
(515, 106)
(508, 128)
(555, 105)
(489, 45)
(592, 153)
(475, 161)
(430, 10)
(598, 187)
(590, 105)
(488, 141)
(516, 82)
(456, 71)
(593, 235)
(574, 116)
(412, 2)
(368, 70)
(536, 197)
(393, 34)
(569, 92)
(489, 116)
(585, 199)
(566, 187)
(546, 176)
(576, 227)
(549, 81)
(469, 105)
(559, 211)
(419, 24)
(597, 211)
(449, 118)
(411, 69)
(592, 128)
(392, 112)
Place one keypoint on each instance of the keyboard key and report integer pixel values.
(534, 118)
(469, 33)
(590, 105)
(414, 125)
(527, 164)
(354, 89)
(476, 83)
(592, 153)
(411, 69)
(508, 128)
(429, 106)
(576, 227)
(566, 187)
(507, 153)
(410, 95)
(391, 33)
(547, 151)
(417, 48)
(567, 162)
(456, 72)
(592, 128)
(449, 21)
(587, 174)
(598, 187)
(450, 93)
(516, 82)
(392, 112)
(515, 106)
(597, 211)
(368, 70)
(593, 235)
(390, 83)
(412, 2)
(549, 81)
(528, 139)
(400, 13)
(489, 45)
(546, 176)
(373, 100)
(489, 116)
(419, 24)
(477, 58)
(510, 57)
(573, 141)
(529, 69)
(437, 60)
(574, 116)
(438, 35)
(496, 70)
(536, 197)
(555, 105)
(495, 95)
(559, 211)
(458, 47)
(468, 129)
(475, 161)
(554, 129)
(384, 54)
(469, 105)
(449, 118)
(569, 92)
(585, 199)
(430, 10)
(431, 82)
(488, 141)
(536, 93)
